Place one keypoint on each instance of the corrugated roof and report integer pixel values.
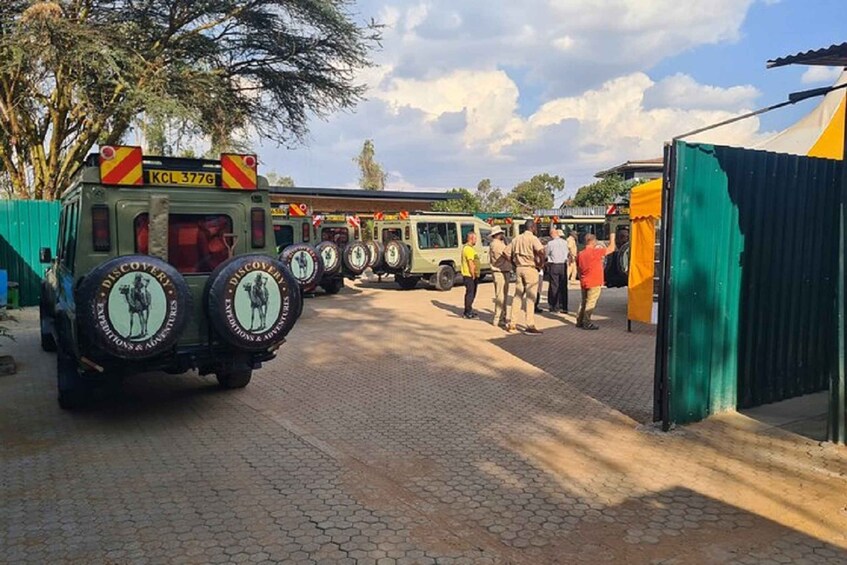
(361, 194)
(832, 56)
(641, 164)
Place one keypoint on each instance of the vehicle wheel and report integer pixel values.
(252, 301)
(356, 258)
(133, 307)
(73, 390)
(396, 255)
(333, 285)
(376, 254)
(331, 257)
(305, 263)
(445, 277)
(407, 283)
(48, 342)
(234, 378)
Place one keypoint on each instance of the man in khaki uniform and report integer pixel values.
(527, 256)
(501, 268)
(572, 252)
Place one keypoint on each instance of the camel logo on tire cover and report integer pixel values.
(392, 255)
(302, 265)
(330, 257)
(136, 306)
(359, 257)
(255, 299)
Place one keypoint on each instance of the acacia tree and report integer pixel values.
(535, 193)
(371, 174)
(74, 73)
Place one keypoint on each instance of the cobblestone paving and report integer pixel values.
(390, 430)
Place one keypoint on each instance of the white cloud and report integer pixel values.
(821, 75)
(464, 90)
(682, 91)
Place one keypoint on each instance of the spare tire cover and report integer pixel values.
(305, 263)
(133, 307)
(396, 255)
(330, 256)
(376, 252)
(623, 259)
(356, 257)
(252, 301)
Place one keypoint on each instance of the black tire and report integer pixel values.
(160, 298)
(445, 277)
(396, 255)
(229, 296)
(333, 285)
(407, 283)
(48, 342)
(331, 257)
(304, 262)
(623, 259)
(234, 378)
(74, 391)
(356, 258)
(376, 254)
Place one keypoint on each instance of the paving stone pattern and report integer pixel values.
(391, 430)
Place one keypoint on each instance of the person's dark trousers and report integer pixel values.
(557, 290)
(470, 294)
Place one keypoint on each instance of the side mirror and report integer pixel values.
(45, 255)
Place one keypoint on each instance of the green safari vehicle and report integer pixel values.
(428, 246)
(164, 264)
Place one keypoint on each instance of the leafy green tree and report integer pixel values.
(467, 202)
(77, 73)
(371, 174)
(490, 198)
(275, 179)
(604, 191)
(535, 193)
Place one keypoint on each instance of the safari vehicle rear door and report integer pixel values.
(194, 235)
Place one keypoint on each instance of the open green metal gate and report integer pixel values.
(25, 227)
(751, 292)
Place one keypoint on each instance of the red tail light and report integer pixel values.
(101, 234)
(307, 231)
(356, 233)
(257, 227)
(408, 232)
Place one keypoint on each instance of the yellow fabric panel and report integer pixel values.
(645, 200)
(830, 145)
(642, 251)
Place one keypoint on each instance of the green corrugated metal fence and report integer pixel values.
(751, 302)
(25, 227)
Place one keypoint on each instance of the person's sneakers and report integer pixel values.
(532, 330)
(511, 328)
(590, 327)
(554, 310)
(468, 316)
(539, 310)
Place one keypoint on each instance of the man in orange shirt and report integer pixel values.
(590, 264)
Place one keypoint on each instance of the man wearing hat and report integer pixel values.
(501, 267)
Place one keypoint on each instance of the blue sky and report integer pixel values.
(465, 90)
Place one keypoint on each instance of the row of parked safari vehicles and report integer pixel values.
(170, 264)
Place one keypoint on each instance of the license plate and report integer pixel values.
(182, 178)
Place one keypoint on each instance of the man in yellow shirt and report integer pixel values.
(470, 274)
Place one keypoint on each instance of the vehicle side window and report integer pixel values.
(485, 236)
(283, 236)
(60, 243)
(466, 229)
(437, 235)
(71, 228)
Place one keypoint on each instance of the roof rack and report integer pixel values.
(156, 161)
